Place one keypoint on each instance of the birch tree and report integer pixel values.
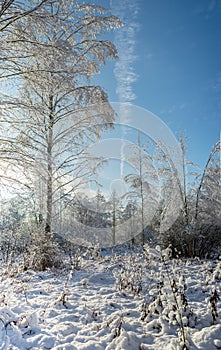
(207, 208)
(11, 12)
(144, 183)
(175, 211)
(196, 229)
(208, 189)
(52, 124)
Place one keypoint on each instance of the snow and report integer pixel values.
(100, 311)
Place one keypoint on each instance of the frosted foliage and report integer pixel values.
(56, 112)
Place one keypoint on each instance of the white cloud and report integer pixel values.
(125, 40)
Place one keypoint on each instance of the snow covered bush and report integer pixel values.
(167, 306)
(130, 277)
(43, 252)
(212, 305)
(80, 309)
(197, 228)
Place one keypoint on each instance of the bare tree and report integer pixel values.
(51, 120)
(13, 10)
(11, 13)
(114, 203)
(211, 174)
(197, 225)
(144, 183)
(207, 206)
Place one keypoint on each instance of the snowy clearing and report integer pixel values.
(121, 301)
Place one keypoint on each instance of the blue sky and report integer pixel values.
(175, 68)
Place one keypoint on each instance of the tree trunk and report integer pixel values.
(48, 226)
(141, 190)
(114, 220)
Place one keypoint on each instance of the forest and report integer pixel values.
(134, 270)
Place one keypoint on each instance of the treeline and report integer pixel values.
(190, 224)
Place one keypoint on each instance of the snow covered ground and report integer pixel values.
(120, 301)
